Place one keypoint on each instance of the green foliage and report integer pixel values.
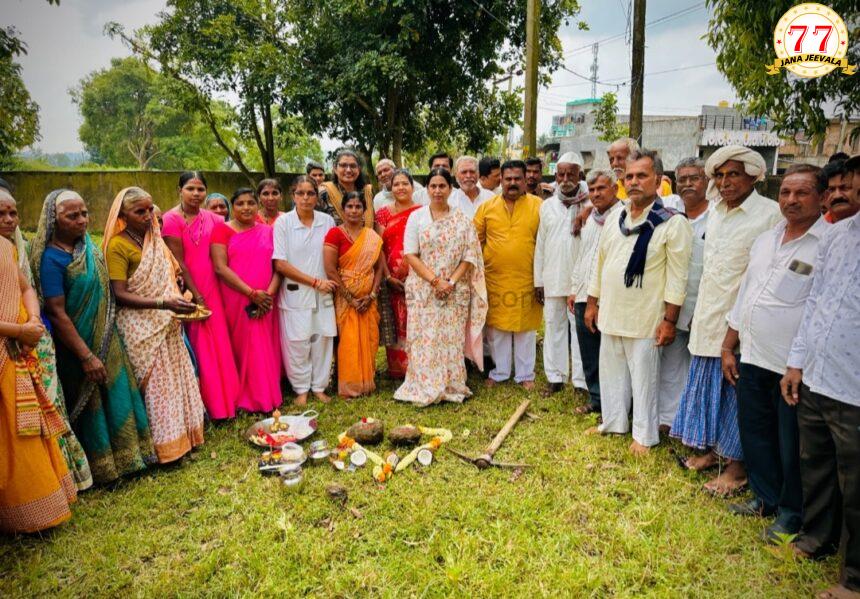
(390, 76)
(130, 120)
(606, 119)
(19, 114)
(741, 31)
(224, 49)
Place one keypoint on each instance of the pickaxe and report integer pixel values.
(485, 460)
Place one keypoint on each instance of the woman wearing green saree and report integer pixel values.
(76, 459)
(105, 406)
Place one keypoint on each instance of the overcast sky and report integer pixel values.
(66, 42)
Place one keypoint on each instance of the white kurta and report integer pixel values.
(460, 201)
(306, 316)
(556, 252)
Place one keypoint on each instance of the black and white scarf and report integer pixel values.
(658, 215)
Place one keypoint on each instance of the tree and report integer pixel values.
(19, 114)
(741, 31)
(606, 119)
(129, 119)
(391, 75)
(227, 49)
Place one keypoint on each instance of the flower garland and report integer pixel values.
(382, 469)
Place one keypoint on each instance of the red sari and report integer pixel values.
(392, 245)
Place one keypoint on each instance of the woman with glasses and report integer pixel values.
(346, 178)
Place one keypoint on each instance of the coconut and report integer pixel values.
(367, 432)
(404, 435)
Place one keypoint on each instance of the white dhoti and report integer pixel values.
(629, 367)
(560, 346)
(517, 348)
(307, 347)
(674, 368)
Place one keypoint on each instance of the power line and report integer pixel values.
(621, 81)
(671, 16)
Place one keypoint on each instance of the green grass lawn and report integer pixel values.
(586, 520)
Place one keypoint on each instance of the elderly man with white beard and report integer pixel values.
(555, 254)
(469, 195)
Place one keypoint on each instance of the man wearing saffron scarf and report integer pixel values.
(555, 255)
(639, 281)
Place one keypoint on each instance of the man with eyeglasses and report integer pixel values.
(707, 417)
(691, 181)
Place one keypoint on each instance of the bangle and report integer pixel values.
(88, 358)
(672, 322)
(373, 295)
(434, 282)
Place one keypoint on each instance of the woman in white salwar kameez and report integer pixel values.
(446, 298)
(305, 302)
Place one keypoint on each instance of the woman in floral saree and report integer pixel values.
(353, 259)
(391, 225)
(36, 487)
(76, 459)
(447, 298)
(143, 278)
(105, 407)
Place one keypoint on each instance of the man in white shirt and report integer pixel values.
(602, 190)
(764, 319)
(822, 380)
(469, 195)
(384, 173)
(490, 174)
(639, 280)
(707, 415)
(675, 358)
(438, 160)
(555, 254)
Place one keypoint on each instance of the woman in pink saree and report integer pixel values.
(242, 254)
(187, 232)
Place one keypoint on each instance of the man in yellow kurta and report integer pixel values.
(507, 228)
(640, 281)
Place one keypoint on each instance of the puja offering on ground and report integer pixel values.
(278, 430)
(367, 431)
(278, 461)
(405, 436)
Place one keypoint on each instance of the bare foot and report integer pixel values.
(489, 383)
(702, 462)
(664, 429)
(301, 400)
(838, 592)
(730, 481)
(593, 431)
(586, 409)
(528, 385)
(320, 395)
(638, 449)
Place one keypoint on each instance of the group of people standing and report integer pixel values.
(717, 316)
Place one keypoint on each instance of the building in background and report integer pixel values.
(673, 137)
(842, 135)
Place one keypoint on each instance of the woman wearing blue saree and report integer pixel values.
(105, 406)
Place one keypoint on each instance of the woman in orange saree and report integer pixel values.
(36, 486)
(353, 259)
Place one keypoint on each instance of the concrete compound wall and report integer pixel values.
(99, 189)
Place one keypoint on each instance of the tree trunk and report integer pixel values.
(269, 161)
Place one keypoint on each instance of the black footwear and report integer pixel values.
(552, 389)
(776, 532)
(753, 507)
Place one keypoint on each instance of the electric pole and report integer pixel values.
(532, 55)
(637, 74)
(594, 66)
